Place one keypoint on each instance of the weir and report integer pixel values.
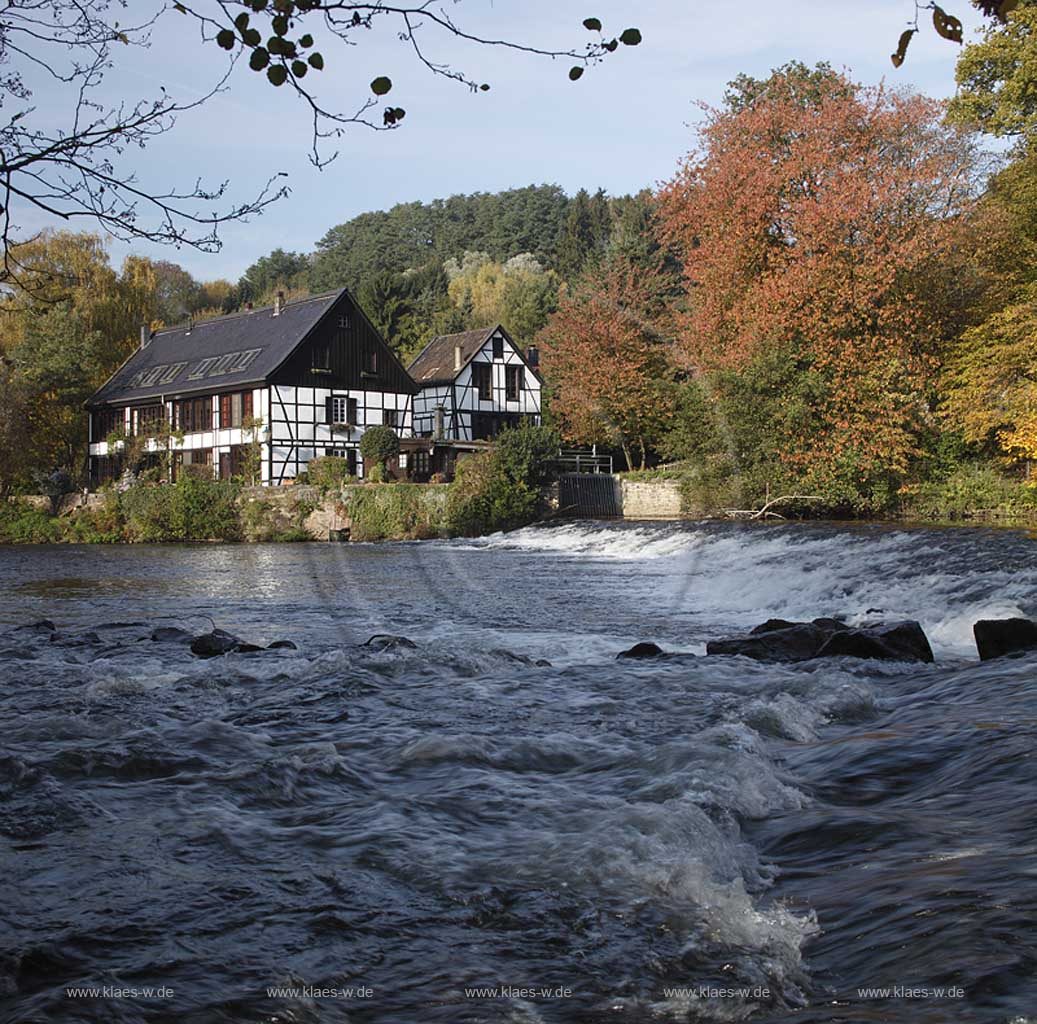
(589, 496)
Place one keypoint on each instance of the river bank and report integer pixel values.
(401, 511)
(222, 512)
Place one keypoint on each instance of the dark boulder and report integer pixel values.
(771, 625)
(167, 634)
(998, 637)
(522, 659)
(245, 648)
(778, 641)
(641, 650)
(387, 642)
(278, 645)
(211, 645)
(899, 641)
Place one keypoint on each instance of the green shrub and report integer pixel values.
(97, 524)
(190, 509)
(527, 454)
(22, 523)
(483, 499)
(328, 473)
(500, 489)
(970, 491)
(378, 445)
(397, 512)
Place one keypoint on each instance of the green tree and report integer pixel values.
(378, 445)
(68, 322)
(16, 439)
(996, 78)
(279, 270)
(519, 294)
(177, 293)
(584, 235)
(413, 235)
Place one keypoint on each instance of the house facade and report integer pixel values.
(271, 387)
(474, 384)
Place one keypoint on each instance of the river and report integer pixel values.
(453, 833)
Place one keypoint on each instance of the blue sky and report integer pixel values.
(623, 126)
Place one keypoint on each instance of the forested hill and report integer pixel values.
(422, 269)
(410, 235)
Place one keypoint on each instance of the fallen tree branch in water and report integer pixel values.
(760, 513)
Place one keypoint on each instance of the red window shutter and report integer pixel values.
(246, 405)
(226, 416)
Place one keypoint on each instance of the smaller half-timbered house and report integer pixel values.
(474, 384)
(291, 382)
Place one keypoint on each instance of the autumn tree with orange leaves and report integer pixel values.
(606, 356)
(807, 221)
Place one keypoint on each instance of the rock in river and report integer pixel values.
(211, 645)
(641, 650)
(899, 641)
(998, 637)
(387, 642)
(780, 641)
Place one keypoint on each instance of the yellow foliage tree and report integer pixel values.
(990, 380)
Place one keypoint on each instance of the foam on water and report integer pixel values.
(740, 576)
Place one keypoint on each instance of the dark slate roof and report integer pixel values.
(435, 362)
(252, 343)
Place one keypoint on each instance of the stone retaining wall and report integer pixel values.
(650, 499)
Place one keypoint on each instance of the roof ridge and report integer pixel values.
(239, 313)
(458, 334)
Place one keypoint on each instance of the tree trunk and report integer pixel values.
(626, 455)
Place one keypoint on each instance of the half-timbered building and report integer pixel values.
(474, 384)
(293, 381)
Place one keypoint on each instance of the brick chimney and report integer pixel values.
(145, 335)
(458, 358)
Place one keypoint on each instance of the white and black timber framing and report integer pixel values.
(315, 371)
(448, 371)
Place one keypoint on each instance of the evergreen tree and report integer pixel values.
(584, 235)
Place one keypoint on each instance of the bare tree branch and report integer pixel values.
(77, 171)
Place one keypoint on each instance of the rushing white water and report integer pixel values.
(745, 575)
